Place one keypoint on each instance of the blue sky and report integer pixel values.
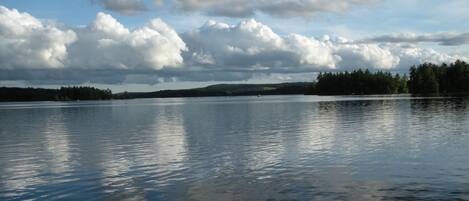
(222, 41)
(386, 16)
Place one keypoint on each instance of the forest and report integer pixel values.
(439, 79)
(426, 78)
(62, 94)
(360, 82)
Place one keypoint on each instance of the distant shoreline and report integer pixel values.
(425, 79)
(246, 95)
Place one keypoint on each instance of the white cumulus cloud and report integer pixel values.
(413, 55)
(253, 45)
(353, 56)
(26, 42)
(106, 43)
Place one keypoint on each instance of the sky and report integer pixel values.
(147, 45)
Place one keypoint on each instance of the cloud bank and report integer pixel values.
(253, 46)
(280, 8)
(241, 8)
(124, 7)
(446, 38)
(105, 51)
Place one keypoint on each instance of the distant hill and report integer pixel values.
(226, 90)
(90, 93)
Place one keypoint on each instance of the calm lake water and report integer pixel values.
(267, 148)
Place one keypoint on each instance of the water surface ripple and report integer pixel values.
(236, 148)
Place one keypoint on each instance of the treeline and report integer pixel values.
(62, 94)
(84, 93)
(360, 82)
(426, 78)
(439, 79)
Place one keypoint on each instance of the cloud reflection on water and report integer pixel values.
(268, 148)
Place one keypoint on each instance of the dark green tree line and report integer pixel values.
(360, 82)
(62, 94)
(430, 78)
(83, 93)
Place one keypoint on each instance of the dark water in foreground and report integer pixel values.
(237, 148)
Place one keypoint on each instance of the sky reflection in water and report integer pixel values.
(237, 148)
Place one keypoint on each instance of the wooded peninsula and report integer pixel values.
(423, 79)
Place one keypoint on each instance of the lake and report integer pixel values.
(267, 148)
